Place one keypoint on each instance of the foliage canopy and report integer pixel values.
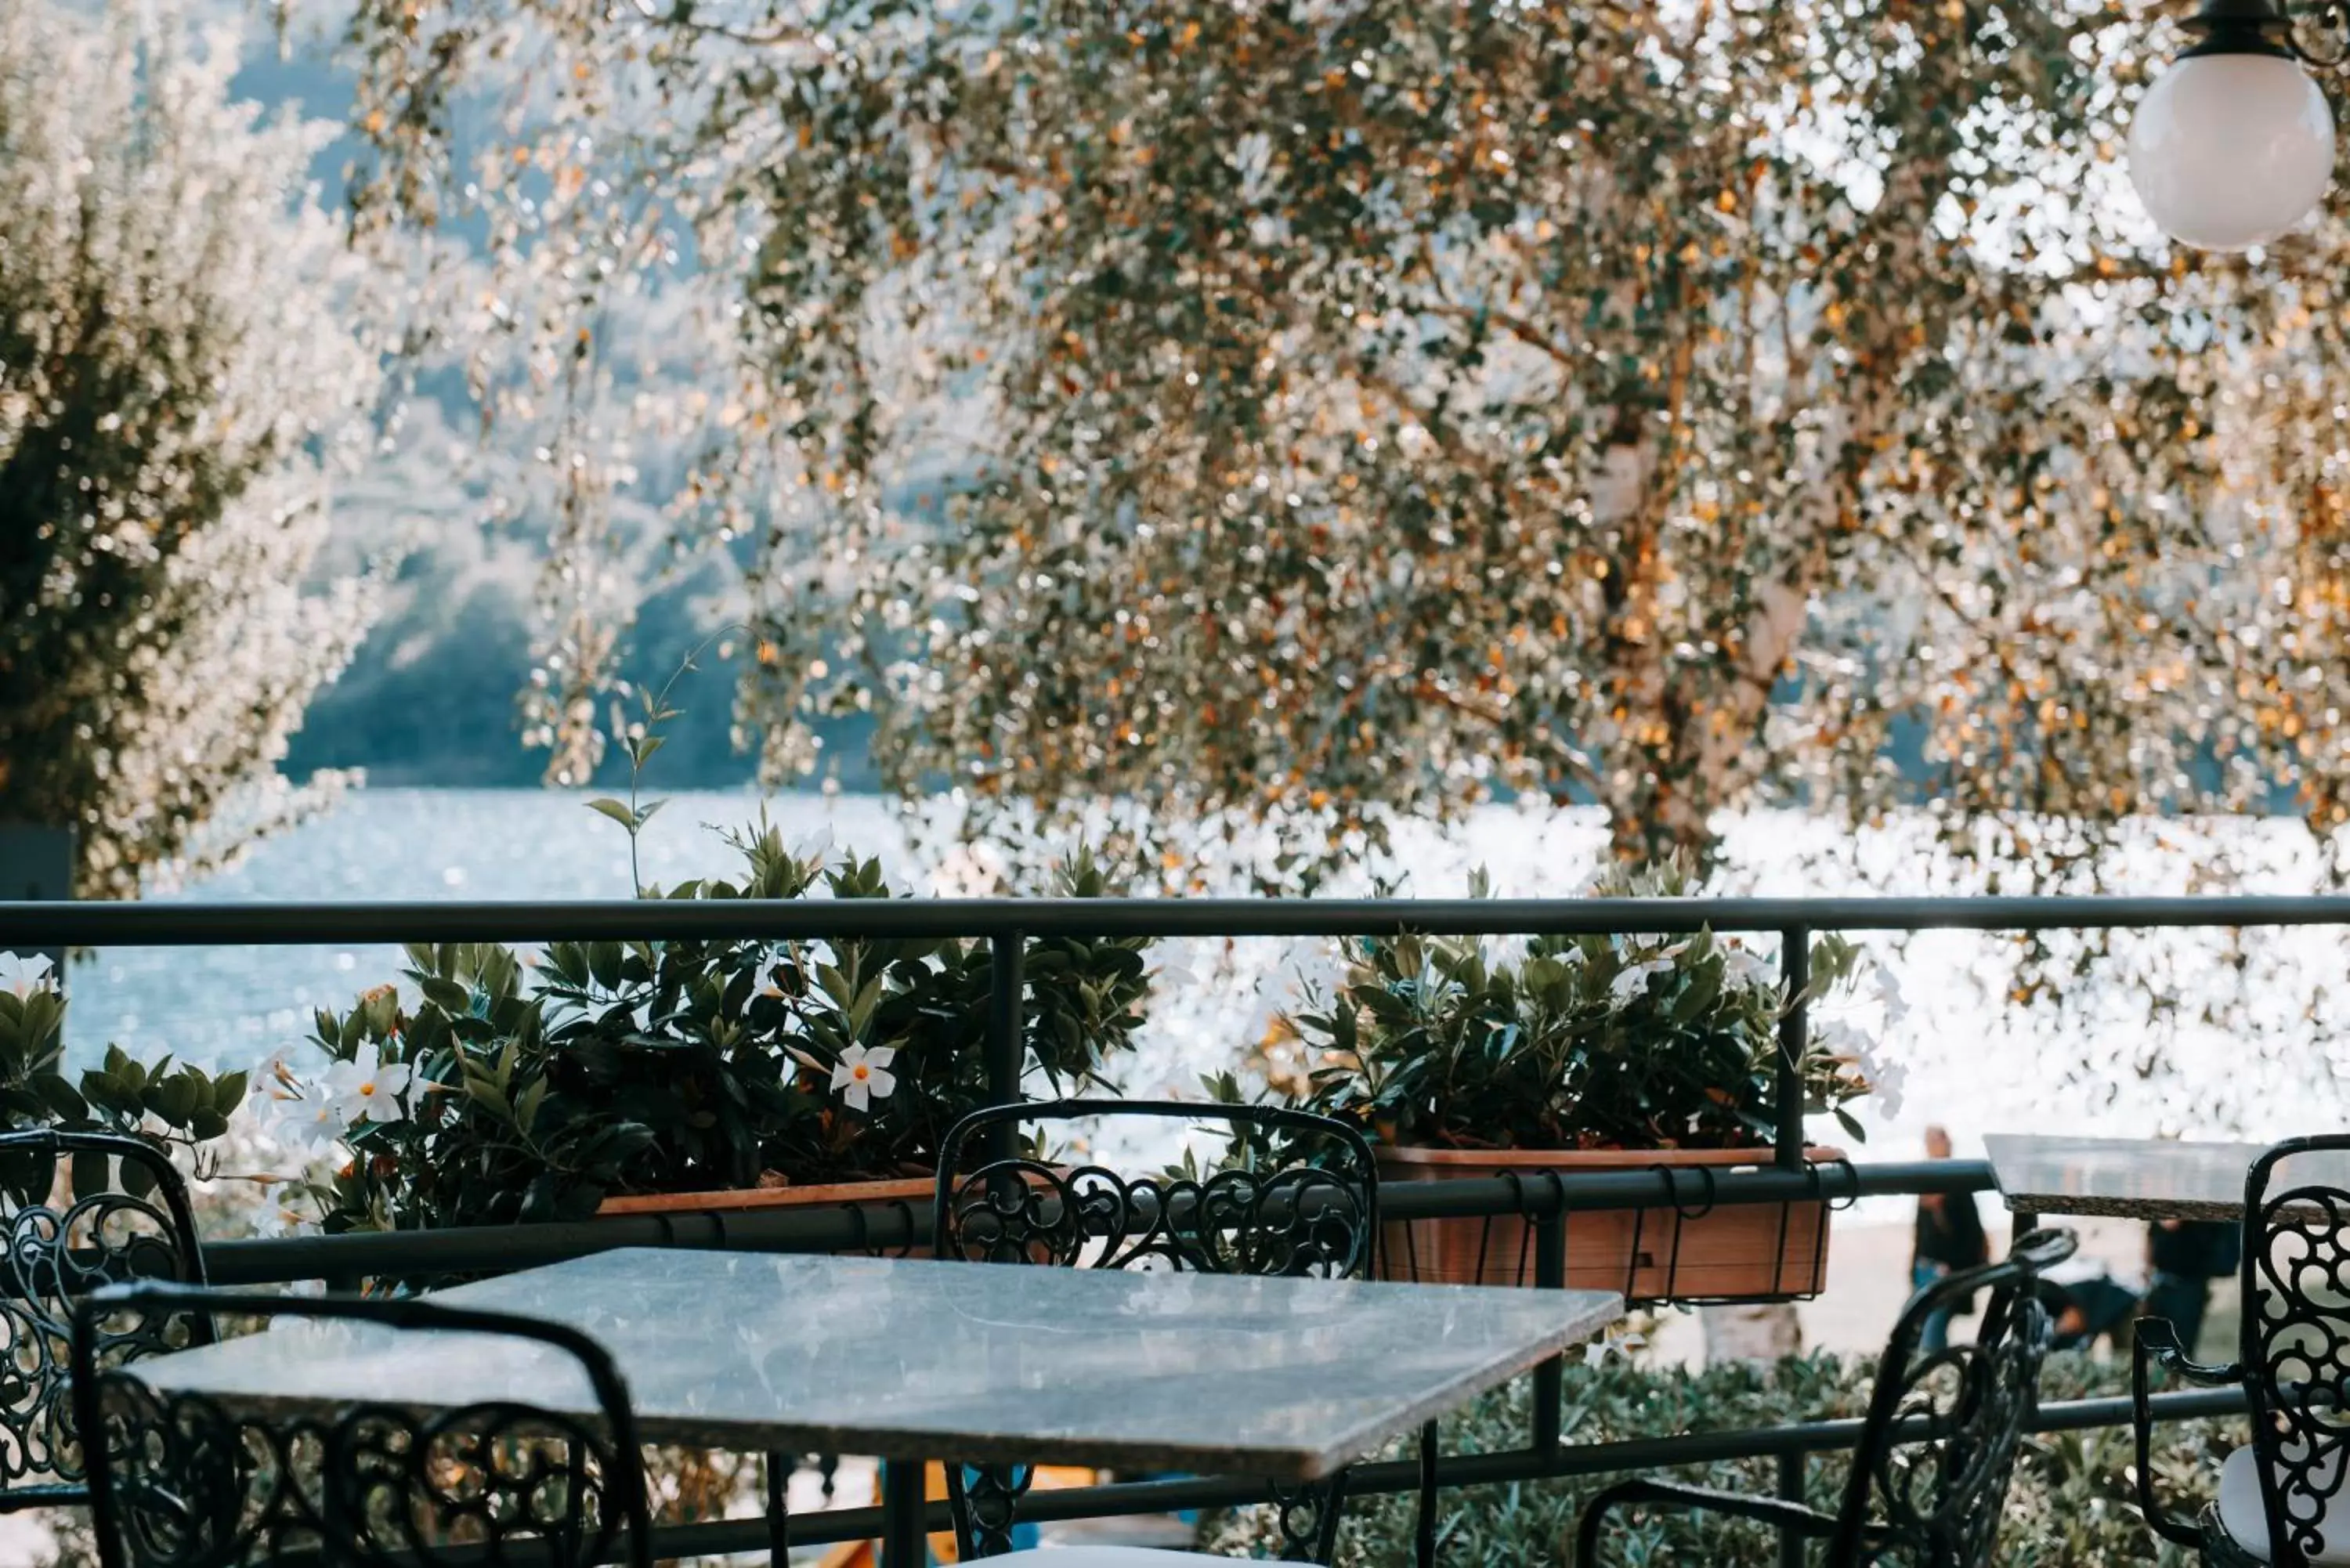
(1340, 408)
(174, 379)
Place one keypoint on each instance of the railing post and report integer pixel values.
(1006, 1049)
(1792, 1545)
(1550, 1274)
(1795, 1036)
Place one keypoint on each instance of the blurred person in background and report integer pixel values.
(1948, 1237)
(2182, 1258)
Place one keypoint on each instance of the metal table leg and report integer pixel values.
(905, 1543)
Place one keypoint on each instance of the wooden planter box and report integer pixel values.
(1735, 1252)
(912, 1187)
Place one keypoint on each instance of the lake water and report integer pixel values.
(2177, 1034)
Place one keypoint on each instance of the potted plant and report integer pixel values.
(617, 1076)
(1583, 1054)
(171, 1106)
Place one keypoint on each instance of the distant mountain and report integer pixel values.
(433, 697)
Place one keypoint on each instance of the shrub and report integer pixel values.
(2072, 1502)
(1593, 1041)
(521, 1091)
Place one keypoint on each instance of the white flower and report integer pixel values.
(1623, 1344)
(276, 1220)
(310, 1128)
(1633, 982)
(1839, 1037)
(1885, 1082)
(276, 1074)
(816, 847)
(860, 1074)
(1743, 967)
(25, 974)
(1888, 993)
(366, 1088)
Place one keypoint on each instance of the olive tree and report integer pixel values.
(176, 380)
(1336, 409)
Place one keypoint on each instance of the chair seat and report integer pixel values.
(1103, 1557)
(2244, 1518)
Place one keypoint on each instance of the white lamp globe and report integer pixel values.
(2229, 150)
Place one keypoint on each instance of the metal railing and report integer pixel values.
(1547, 1202)
(1550, 1202)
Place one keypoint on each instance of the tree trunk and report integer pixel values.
(1751, 1333)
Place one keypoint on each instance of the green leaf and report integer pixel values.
(138, 1177)
(171, 1099)
(445, 994)
(92, 1174)
(617, 810)
(228, 1093)
(526, 1108)
(485, 1094)
(64, 1102)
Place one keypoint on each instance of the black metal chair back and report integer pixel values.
(1315, 1212)
(123, 1215)
(1305, 1203)
(2294, 1346)
(1930, 1472)
(1930, 1476)
(184, 1479)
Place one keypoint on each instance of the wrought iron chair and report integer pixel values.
(1930, 1472)
(179, 1479)
(1315, 1214)
(2279, 1501)
(126, 1217)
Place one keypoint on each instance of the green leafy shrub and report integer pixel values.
(171, 1106)
(1597, 1041)
(514, 1092)
(2072, 1503)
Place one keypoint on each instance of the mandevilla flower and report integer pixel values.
(309, 1127)
(861, 1076)
(25, 974)
(1743, 967)
(1633, 984)
(367, 1087)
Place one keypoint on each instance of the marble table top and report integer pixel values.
(1284, 1379)
(2141, 1178)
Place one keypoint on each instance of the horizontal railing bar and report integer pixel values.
(65, 924)
(1515, 1465)
(901, 1223)
(502, 1248)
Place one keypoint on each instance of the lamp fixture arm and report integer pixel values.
(2319, 36)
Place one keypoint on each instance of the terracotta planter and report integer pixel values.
(1735, 1252)
(912, 1188)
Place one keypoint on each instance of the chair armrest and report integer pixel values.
(2156, 1344)
(2157, 1339)
(1794, 1516)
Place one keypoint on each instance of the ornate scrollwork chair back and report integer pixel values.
(82, 1211)
(2280, 1498)
(1316, 1213)
(179, 1479)
(1930, 1474)
(1306, 1205)
(1934, 1501)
